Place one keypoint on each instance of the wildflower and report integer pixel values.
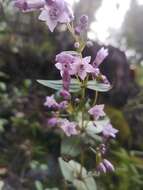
(64, 62)
(63, 105)
(81, 67)
(101, 55)
(65, 94)
(109, 131)
(53, 121)
(69, 128)
(108, 165)
(101, 168)
(104, 79)
(51, 102)
(83, 23)
(57, 11)
(105, 166)
(29, 5)
(97, 111)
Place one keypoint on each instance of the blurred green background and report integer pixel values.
(28, 148)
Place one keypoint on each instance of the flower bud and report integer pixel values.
(108, 165)
(84, 20)
(52, 122)
(65, 94)
(101, 168)
(77, 45)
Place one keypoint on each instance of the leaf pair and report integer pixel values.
(75, 85)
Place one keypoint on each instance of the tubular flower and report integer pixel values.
(109, 131)
(51, 102)
(97, 111)
(105, 166)
(29, 5)
(69, 128)
(81, 67)
(56, 11)
(101, 55)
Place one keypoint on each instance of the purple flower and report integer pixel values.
(81, 67)
(101, 168)
(65, 94)
(64, 62)
(109, 131)
(97, 111)
(101, 55)
(52, 122)
(105, 166)
(51, 102)
(108, 165)
(69, 128)
(82, 26)
(29, 5)
(57, 11)
(63, 105)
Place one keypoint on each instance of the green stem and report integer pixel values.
(71, 30)
(95, 98)
(82, 125)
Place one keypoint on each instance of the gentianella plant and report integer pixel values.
(83, 124)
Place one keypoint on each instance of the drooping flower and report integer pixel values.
(29, 5)
(109, 131)
(69, 128)
(57, 11)
(97, 111)
(81, 67)
(109, 166)
(101, 168)
(51, 102)
(105, 166)
(101, 55)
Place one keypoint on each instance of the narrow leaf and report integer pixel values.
(100, 87)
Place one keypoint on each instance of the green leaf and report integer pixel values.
(76, 168)
(100, 87)
(93, 128)
(38, 185)
(70, 146)
(71, 171)
(90, 183)
(66, 170)
(80, 185)
(58, 84)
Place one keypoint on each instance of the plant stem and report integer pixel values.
(70, 28)
(95, 98)
(82, 125)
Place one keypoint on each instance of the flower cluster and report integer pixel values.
(52, 11)
(72, 112)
